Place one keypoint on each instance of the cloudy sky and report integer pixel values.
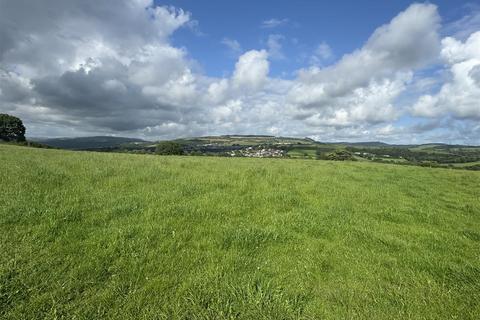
(393, 71)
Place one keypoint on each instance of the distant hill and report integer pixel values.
(244, 140)
(364, 144)
(88, 143)
(305, 148)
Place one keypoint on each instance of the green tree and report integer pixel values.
(340, 155)
(11, 128)
(169, 148)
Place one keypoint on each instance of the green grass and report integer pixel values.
(302, 153)
(97, 235)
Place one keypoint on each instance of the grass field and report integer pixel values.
(101, 235)
(302, 153)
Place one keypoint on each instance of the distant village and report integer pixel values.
(251, 152)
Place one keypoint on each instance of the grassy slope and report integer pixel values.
(91, 235)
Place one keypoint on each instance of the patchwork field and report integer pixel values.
(88, 235)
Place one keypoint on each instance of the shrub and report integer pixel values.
(340, 156)
(169, 148)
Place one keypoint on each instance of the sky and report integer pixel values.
(391, 71)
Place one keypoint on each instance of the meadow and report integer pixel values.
(87, 235)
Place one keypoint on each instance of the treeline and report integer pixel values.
(458, 156)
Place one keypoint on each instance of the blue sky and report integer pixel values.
(343, 25)
(393, 71)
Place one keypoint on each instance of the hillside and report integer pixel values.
(89, 143)
(430, 155)
(90, 235)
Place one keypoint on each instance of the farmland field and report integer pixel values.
(88, 235)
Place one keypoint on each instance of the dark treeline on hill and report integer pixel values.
(440, 154)
(100, 143)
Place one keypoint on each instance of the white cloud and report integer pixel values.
(251, 70)
(466, 25)
(460, 96)
(274, 45)
(233, 45)
(273, 23)
(228, 112)
(322, 53)
(371, 104)
(106, 63)
(168, 19)
(363, 85)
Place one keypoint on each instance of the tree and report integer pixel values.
(11, 128)
(169, 148)
(340, 155)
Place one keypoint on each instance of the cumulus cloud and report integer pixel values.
(251, 70)
(363, 85)
(127, 81)
(460, 96)
(107, 65)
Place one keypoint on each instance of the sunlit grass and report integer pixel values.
(96, 235)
